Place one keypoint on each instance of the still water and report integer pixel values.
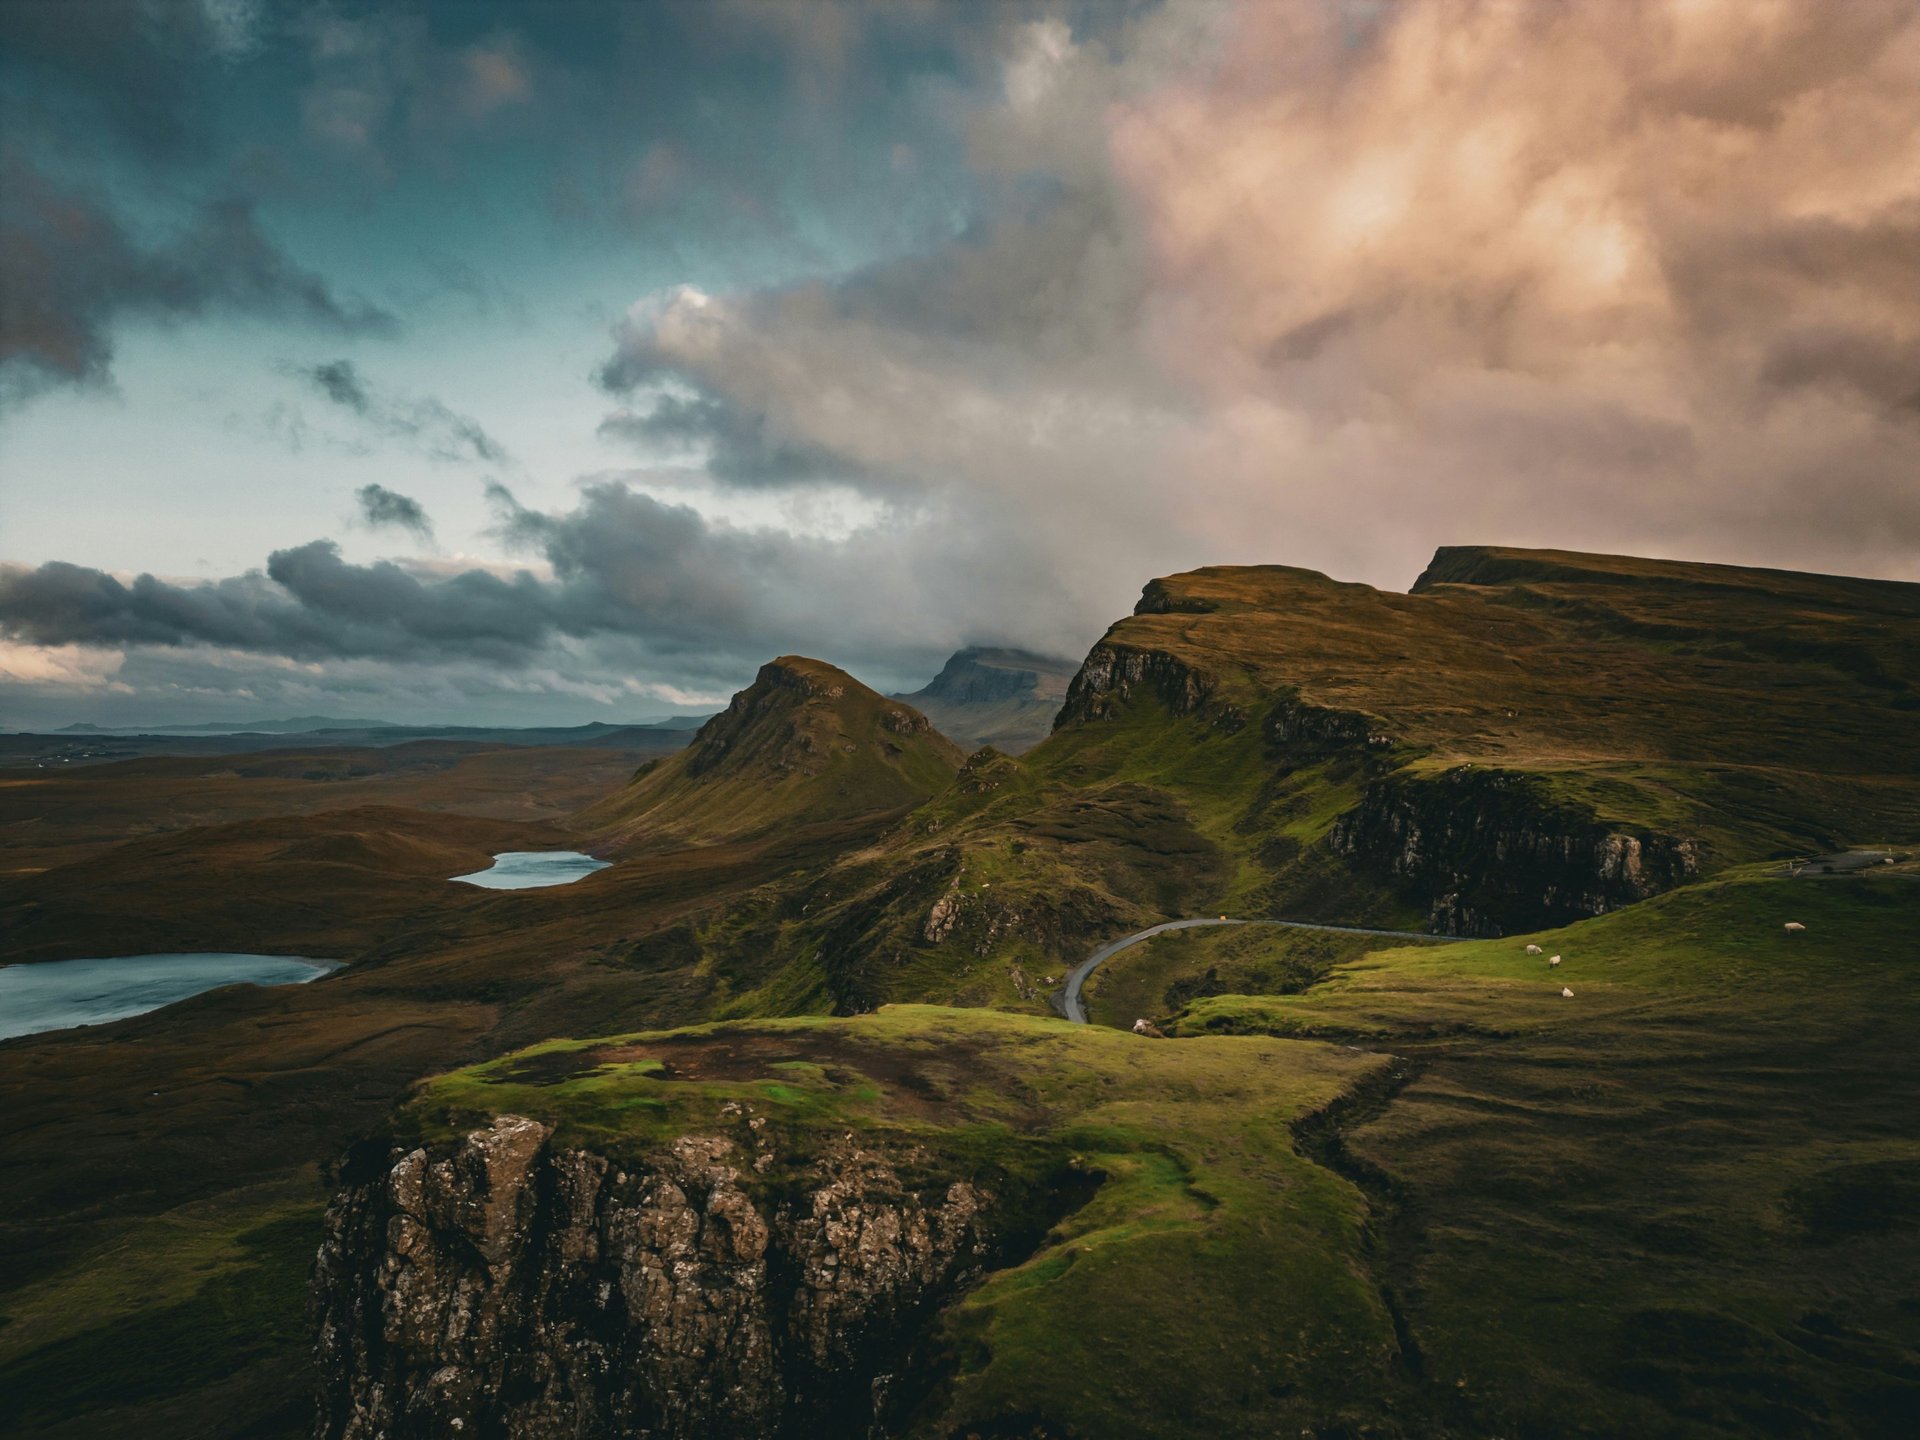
(530, 869)
(58, 993)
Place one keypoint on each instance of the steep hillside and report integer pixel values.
(805, 743)
(1003, 698)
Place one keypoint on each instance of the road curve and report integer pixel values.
(1069, 998)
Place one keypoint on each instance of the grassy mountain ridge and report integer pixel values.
(1562, 737)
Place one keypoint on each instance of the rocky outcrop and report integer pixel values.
(1111, 674)
(769, 702)
(1301, 730)
(502, 1286)
(1487, 853)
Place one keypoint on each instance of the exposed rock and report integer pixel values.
(943, 917)
(1301, 729)
(1112, 673)
(501, 1287)
(1488, 854)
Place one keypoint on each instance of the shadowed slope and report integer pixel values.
(806, 743)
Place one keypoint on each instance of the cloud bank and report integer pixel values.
(1318, 283)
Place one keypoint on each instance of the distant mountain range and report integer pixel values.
(94, 745)
(316, 724)
(297, 724)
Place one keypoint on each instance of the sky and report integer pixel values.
(545, 363)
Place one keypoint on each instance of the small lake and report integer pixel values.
(531, 869)
(55, 994)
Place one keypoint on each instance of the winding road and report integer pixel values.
(1069, 998)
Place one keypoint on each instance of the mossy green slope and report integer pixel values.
(1205, 1217)
(1429, 1195)
(1684, 1199)
(806, 743)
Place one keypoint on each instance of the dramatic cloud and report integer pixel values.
(1338, 285)
(381, 508)
(734, 446)
(1049, 300)
(706, 602)
(70, 270)
(427, 423)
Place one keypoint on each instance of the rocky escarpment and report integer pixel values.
(1302, 731)
(503, 1286)
(1487, 853)
(1112, 673)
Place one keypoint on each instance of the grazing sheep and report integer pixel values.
(1794, 927)
(1533, 949)
(1554, 961)
(1565, 994)
(1149, 1029)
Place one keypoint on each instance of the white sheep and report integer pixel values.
(1554, 961)
(1794, 927)
(1533, 949)
(1565, 994)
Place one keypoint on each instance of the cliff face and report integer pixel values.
(1488, 854)
(1111, 673)
(504, 1287)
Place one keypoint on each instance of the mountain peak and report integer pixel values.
(804, 743)
(1001, 697)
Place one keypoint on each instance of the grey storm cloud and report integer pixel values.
(70, 269)
(623, 563)
(1594, 276)
(620, 566)
(381, 508)
(737, 446)
(439, 431)
(136, 66)
(309, 604)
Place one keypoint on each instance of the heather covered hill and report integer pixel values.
(1003, 698)
(805, 743)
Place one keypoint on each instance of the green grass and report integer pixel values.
(223, 1300)
(1660, 1205)
(1160, 976)
(1206, 1218)
(1426, 1194)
